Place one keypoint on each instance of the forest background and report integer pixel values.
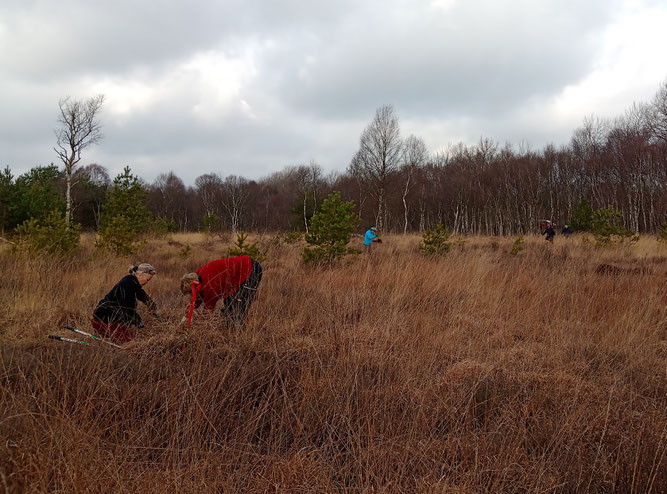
(396, 183)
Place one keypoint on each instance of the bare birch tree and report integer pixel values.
(658, 116)
(379, 156)
(79, 128)
(235, 194)
(209, 189)
(415, 155)
(307, 180)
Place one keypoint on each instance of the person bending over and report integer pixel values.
(117, 311)
(235, 280)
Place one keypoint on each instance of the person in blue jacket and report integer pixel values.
(371, 236)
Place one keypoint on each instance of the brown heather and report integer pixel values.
(477, 372)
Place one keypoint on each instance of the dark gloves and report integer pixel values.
(378, 240)
(152, 306)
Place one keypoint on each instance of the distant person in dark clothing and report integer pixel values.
(234, 280)
(117, 311)
(566, 231)
(549, 232)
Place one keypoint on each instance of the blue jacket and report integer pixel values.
(370, 236)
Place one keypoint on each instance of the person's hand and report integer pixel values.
(140, 324)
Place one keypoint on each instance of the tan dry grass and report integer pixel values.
(476, 372)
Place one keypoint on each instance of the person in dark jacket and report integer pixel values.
(117, 311)
(549, 232)
(234, 280)
(566, 231)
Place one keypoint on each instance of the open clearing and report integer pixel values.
(476, 372)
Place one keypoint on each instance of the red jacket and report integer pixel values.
(221, 279)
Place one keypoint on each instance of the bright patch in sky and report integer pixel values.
(250, 87)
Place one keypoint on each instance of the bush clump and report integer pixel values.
(211, 224)
(435, 242)
(662, 233)
(292, 237)
(607, 227)
(518, 246)
(119, 237)
(161, 227)
(185, 251)
(51, 235)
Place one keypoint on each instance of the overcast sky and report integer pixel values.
(248, 87)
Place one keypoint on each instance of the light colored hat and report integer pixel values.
(144, 267)
(374, 229)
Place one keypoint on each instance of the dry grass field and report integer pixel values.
(476, 372)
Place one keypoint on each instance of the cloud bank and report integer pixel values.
(248, 87)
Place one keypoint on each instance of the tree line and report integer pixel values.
(395, 182)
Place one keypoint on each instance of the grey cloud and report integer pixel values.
(452, 61)
(169, 138)
(72, 36)
(318, 72)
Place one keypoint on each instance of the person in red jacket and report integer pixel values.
(235, 280)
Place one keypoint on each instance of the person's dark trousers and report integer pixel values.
(235, 308)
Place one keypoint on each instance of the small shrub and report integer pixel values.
(211, 224)
(292, 237)
(243, 248)
(160, 227)
(118, 237)
(435, 242)
(185, 251)
(607, 227)
(662, 233)
(459, 243)
(518, 246)
(330, 230)
(51, 235)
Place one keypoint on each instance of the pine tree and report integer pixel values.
(50, 234)
(125, 215)
(330, 229)
(7, 192)
(582, 217)
(243, 248)
(36, 194)
(607, 224)
(435, 242)
(128, 198)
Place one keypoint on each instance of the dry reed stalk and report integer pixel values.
(475, 372)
